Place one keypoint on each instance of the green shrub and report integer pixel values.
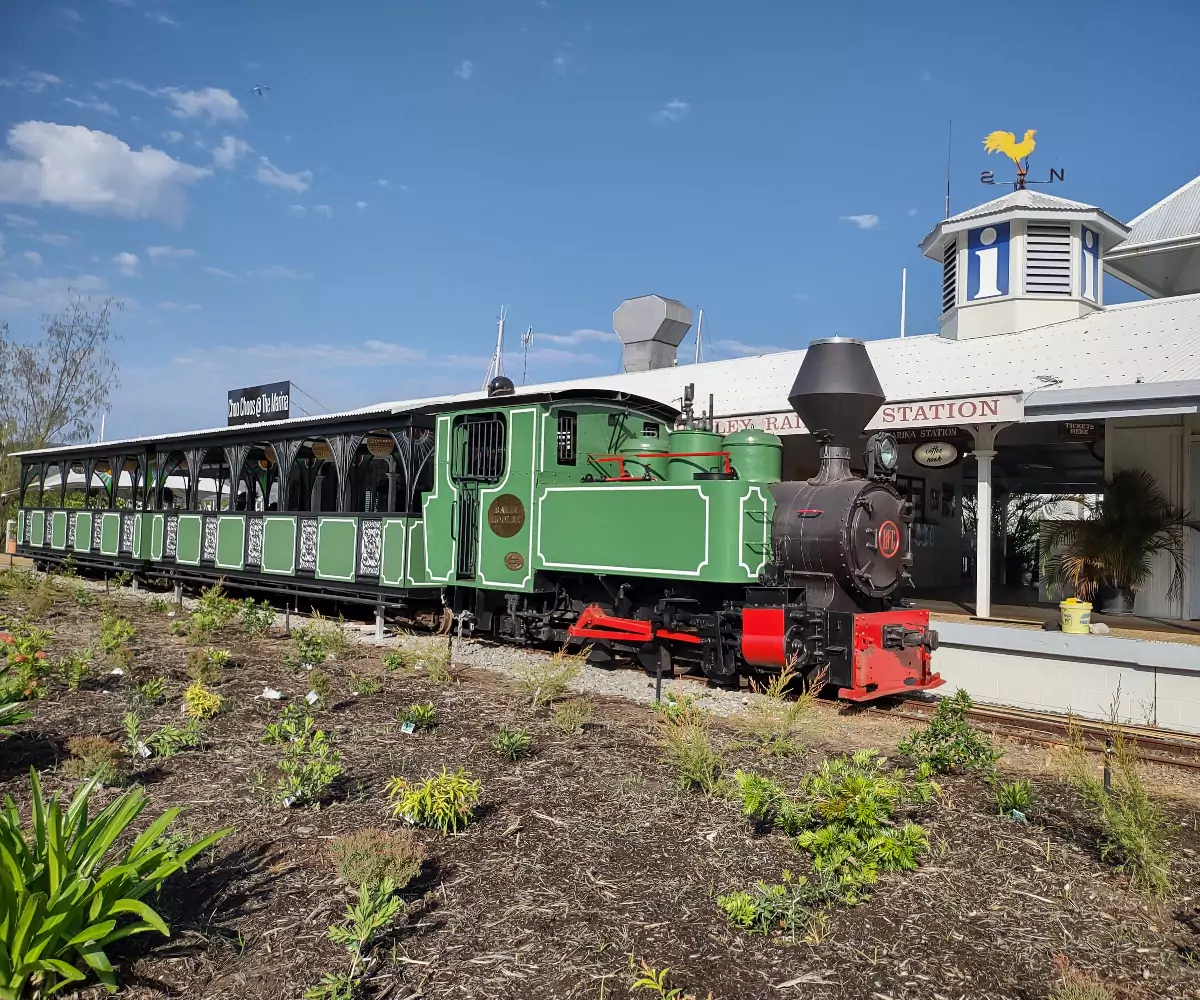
(308, 648)
(397, 659)
(443, 801)
(364, 687)
(375, 908)
(75, 668)
(123, 578)
(96, 758)
(257, 619)
(781, 907)
(421, 714)
(64, 896)
(320, 683)
(213, 611)
(201, 703)
(370, 855)
(547, 680)
(205, 665)
(949, 743)
(512, 744)
(1014, 796)
(689, 748)
(164, 742)
(158, 605)
(23, 662)
(1134, 831)
(153, 691)
(310, 764)
(680, 710)
(571, 716)
(292, 723)
(115, 633)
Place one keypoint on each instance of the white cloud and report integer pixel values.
(127, 264)
(18, 221)
(92, 171)
(360, 204)
(50, 239)
(911, 212)
(35, 82)
(673, 111)
(47, 294)
(576, 337)
(1, 246)
(740, 350)
(862, 221)
(802, 296)
(279, 271)
(161, 18)
(33, 257)
(926, 76)
(323, 210)
(179, 306)
(93, 104)
(169, 253)
(70, 15)
(465, 70)
(383, 183)
(296, 211)
(271, 175)
(230, 151)
(173, 136)
(220, 272)
(369, 354)
(215, 102)
(562, 61)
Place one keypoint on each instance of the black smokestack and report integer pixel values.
(836, 393)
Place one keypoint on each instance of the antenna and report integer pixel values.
(903, 296)
(526, 343)
(949, 144)
(496, 365)
(102, 419)
(699, 332)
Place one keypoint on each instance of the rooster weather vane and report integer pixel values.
(1018, 152)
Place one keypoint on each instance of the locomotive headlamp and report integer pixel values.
(883, 455)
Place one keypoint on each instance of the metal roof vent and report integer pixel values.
(501, 385)
(651, 328)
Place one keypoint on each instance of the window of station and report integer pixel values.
(479, 448)
(568, 430)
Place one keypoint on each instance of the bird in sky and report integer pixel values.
(259, 89)
(1006, 143)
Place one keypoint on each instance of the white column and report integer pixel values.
(983, 534)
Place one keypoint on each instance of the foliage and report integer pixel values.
(689, 747)
(1075, 985)
(443, 801)
(374, 910)
(257, 619)
(213, 611)
(364, 686)
(12, 709)
(94, 757)
(1119, 540)
(571, 716)
(651, 980)
(23, 658)
(75, 668)
(795, 903)
(397, 659)
(775, 718)
(1014, 795)
(308, 648)
(948, 743)
(547, 680)
(370, 855)
(64, 897)
(158, 605)
(422, 715)
(164, 742)
(123, 579)
(1134, 831)
(153, 691)
(320, 683)
(292, 723)
(204, 665)
(309, 765)
(115, 632)
(42, 599)
(680, 710)
(201, 703)
(1019, 518)
(512, 744)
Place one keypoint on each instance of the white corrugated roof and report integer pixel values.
(1176, 217)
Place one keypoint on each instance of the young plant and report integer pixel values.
(512, 744)
(1076, 985)
(651, 980)
(201, 703)
(153, 691)
(205, 665)
(257, 619)
(1134, 831)
(308, 648)
(547, 680)
(364, 687)
(571, 716)
(374, 910)
(689, 748)
(292, 724)
(123, 578)
(788, 906)
(158, 605)
(23, 661)
(310, 764)
(115, 633)
(66, 896)
(95, 758)
(443, 801)
(170, 740)
(397, 659)
(681, 710)
(1015, 796)
(421, 715)
(370, 855)
(321, 684)
(949, 744)
(775, 718)
(75, 668)
(213, 611)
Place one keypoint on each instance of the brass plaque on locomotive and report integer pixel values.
(514, 561)
(506, 515)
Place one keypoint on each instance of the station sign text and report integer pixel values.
(259, 403)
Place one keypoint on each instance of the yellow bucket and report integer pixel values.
(1076, 616)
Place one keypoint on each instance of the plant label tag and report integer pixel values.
(118, 672)
(312, 697)
(288, 801)
(270, 694)
(142, 749)
(408, 729)
(306, 666)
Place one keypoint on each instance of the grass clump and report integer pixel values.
(949, 743)
(689, 748)
(1076, 985)
(775, 718)
(1015, 796)
(420, 715)
(572, 715)
(370, 855)
(512, 744)
(445, 802)
(364, 687)
(1134, 832)
(257, 619)
(547, 680)
(680, 710)
(95, 758)
(201, 703)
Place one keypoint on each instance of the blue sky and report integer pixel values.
(414, 166)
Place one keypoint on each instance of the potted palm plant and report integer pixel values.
(1108, 556)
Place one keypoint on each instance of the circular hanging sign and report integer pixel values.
(506, 515)
(514, 561)
(935, 454)
(887, 538)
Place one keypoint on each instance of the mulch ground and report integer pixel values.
(585, 858)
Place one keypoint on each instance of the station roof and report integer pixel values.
(1161, 254)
